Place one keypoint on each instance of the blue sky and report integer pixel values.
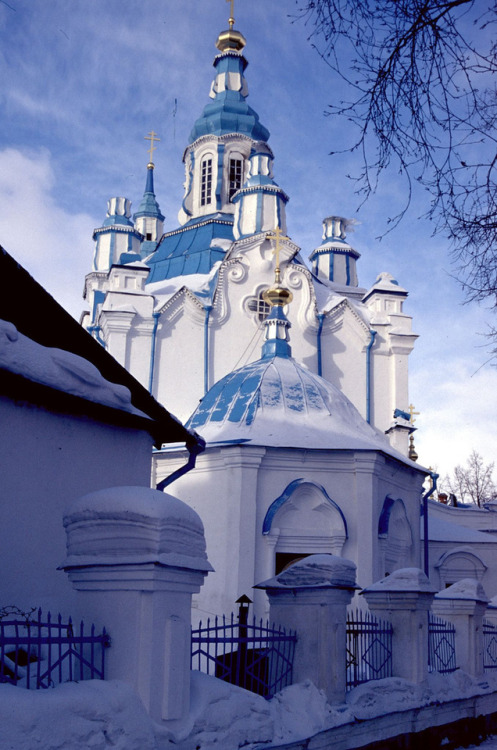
(84, 81)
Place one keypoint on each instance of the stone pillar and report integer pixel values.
(464, 605)
(135, 556)
(404, 598)
(311, 597)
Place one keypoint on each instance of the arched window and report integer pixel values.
(303, 521)
(206, 181)
(395, 536)
(235, 176)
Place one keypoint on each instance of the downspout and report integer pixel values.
(368, 375)
(207, 310)
(194, 446)
(156, 316)
(424, 501)
(95, 332)
(320, 330)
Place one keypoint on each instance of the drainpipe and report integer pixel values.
(156, 316)
(320, 330)
(207, 310)
(194, 446)
(368, 375)
(95, 332)
(424, 511)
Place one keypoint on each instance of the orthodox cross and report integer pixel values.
(412, 413)
(231, 20)
(151, 137)
(278, 236)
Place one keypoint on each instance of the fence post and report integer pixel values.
(464, 604)
(404, 598)
(311, 597)
(135, 556)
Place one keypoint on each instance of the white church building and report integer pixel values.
(301, 392)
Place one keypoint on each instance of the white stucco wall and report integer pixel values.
(48, 460)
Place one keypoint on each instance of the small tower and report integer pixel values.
(149, 220)
(260, 203)
(117, 236)
(335, 260)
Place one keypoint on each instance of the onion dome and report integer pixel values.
(335, 260)
(229, 112)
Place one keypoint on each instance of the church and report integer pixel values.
(294, 375)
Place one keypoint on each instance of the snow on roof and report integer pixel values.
(440, 530)
(60, 370)
(279, 402)
(198, 283)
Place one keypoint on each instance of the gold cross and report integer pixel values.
(412, 413)
(278, 235)
(231, 20)
(151, 137)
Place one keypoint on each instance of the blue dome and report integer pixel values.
(276, 401)
(229, 112)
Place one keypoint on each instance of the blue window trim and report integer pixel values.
(287, 493)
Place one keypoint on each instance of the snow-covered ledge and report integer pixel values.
(135, 557)
(404, 598)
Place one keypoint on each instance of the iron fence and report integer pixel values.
(441, 645)
(255, 656)
(369, 648)
(489, 645)
(38, 654)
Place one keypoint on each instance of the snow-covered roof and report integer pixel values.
(440, 530)
(60, 370)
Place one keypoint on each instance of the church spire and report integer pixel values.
(149, 220)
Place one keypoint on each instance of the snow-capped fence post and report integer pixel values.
(404, 598)
(135, 556)
(464, 604)
(311, 597)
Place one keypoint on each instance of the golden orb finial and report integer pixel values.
(231, 40)
(277, 294)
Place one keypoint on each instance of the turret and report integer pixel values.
(335, 259)
(260, 203)
(117, 237)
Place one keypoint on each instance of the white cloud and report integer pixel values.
(53, 245)
(458, 408)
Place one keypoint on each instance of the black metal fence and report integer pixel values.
(441, 645)
(255, 656)
(489, 645)
(36, 653)
(369, 648)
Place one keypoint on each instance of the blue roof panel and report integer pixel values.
(191, 249)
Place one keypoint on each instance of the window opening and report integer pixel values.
(259, 306)
(206, 183)
(235, 177)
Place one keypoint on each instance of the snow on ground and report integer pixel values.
(72, 716)
(98, 714)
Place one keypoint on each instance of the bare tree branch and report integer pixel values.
(421, 95)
